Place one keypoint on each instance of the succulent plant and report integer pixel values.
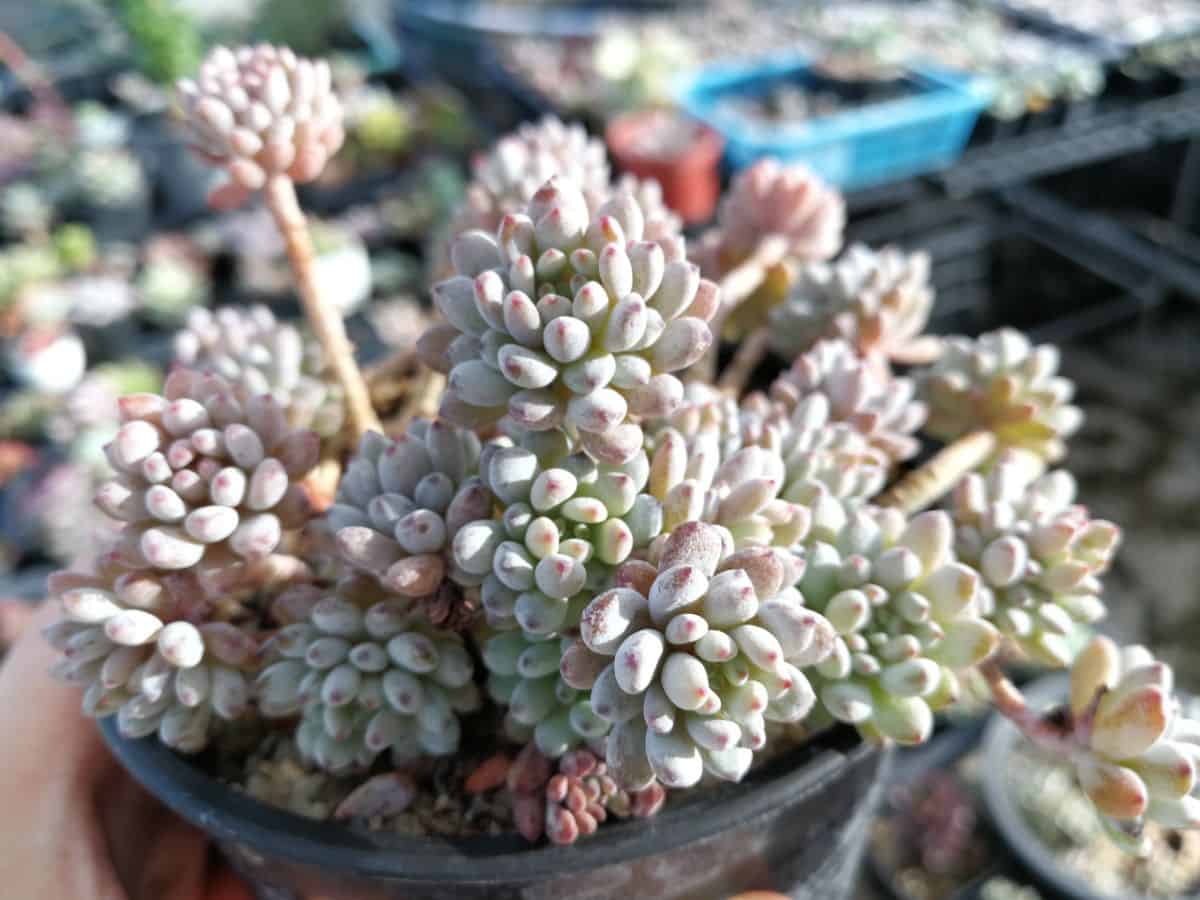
(524, 676)
(109, 177)
(343, 266)
(768, 199)
(611, 320)
(505, 180)
(262, 111)
(173, 280)
(906, 614)
(380, 123)
(1004, 384)
(882, 407)
(121, 640)
(49, 359)
(369, 675)
(205, 473)
(1134, 753)
(582, 795)
(705, 648)
(567, 522)
(75, 246)
(401, 505)
(253, 349)
(25, 211)
(877, 300)
(1040, 555)
(661, 223)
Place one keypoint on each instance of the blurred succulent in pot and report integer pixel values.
(166, 41)
(705, 648)
(69, 528)
(75, 247)
(528, 675)
(1134, 753)
(251, 348)
(906, 614)
(25, 211)
(369, 675)
(47, 358)
(379, 125)
(1001, 382)
(883, 408)
(505, 179)
(108, 178)
(1039, 553)
(89, 414)
(611, 321)
(403, 504)
(399, 322)
(877, 300)
(173, 280)
(567, 522)
(343, 266)
(262, 111)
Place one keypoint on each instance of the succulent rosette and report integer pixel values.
(206, 474)
(1002, 383)
(703, 649)
(567, 522)
(1040, 554)
(905, 611)
(123, 638)
(582, 794)
(369, 675)
(1135, 754)
(568, 319)
(882, 407)
(877, 300)
(401, 503)
(524, 676)
(259, 112)
(505, 179)
(253, 349)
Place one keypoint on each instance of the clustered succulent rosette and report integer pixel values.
(124, 640)
(1003, 383)
(906, 614)
(567, 521)
(1040, 555)
(883, 407)
(877, 300)
(528, 674)
(582, 795)
(368, 674)
(506, 178)
(400, 506)
(568, 319)
(702, 650)
(769, 199)
(259, 112)
(661, 223)
(1135, 754)
(253, 349)
(206, 476)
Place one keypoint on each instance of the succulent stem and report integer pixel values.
(922, 487)
(326, 323)
(749, 354)
(737, 285)
(1047, 731)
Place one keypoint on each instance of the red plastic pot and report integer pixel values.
(798, 824)
(681, 154)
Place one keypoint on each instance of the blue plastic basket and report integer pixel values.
(921, 131)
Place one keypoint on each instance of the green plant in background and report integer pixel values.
(167, 43)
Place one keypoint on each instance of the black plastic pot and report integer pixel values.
(799, 825)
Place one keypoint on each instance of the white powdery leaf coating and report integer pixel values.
(705, 662)
(770, 198)
(402, 504)
(579, 320)
(1040, 554)
(204, 472)
(251, 348)
(881, 406)
(368, 675)
(173, 679)
(263, 111)
(906, 612)
(878, 301)
(1002, 382)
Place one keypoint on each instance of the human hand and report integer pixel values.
(73, 824)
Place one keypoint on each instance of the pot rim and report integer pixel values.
(705, 150)
(227, 814)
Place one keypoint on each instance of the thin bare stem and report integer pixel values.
(737, 285)
(325, 320)
(924, 486)
(1051, 733)
(749, 354)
